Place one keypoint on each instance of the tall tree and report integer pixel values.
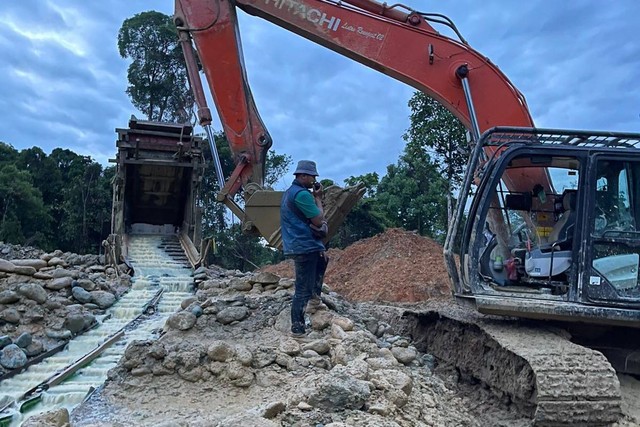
(22, 213)
(158, 84)
(435, 129)
(366, 219)
(412, 194)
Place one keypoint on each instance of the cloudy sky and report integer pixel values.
(63, 83)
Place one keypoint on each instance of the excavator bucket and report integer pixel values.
(262, 211)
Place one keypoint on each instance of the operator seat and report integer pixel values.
(555, 257)
(563, 229)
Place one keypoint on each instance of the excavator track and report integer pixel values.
(553, 380)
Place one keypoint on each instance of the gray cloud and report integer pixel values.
(64, 81)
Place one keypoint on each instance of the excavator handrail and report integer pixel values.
(500, 135)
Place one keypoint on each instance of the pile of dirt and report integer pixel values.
(395, 266)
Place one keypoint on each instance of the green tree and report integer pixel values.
(365, 219)
(158, 83)
(412, 194)
(8, 154)
(435, 129)
(22, 212)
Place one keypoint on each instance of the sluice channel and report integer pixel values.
(161, 269)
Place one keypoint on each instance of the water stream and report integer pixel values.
(154, 269)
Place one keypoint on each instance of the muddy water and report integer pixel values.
(154, 270)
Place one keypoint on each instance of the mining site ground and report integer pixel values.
(225, 358)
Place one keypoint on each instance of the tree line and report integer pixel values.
(56, 201)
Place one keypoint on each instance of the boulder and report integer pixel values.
(53, 418)
(5, 340)
(182, 320)
(240, 285)
(404, 355)
(36, 347)
(74, 322)
(35, 263)
(8, 297)
(7, 266)
(103, 299)
(12, 357)
(265, 278)
(59, 283)
(24, 270)
(55, 261)
(220, 351)
(33, 291)
(86, 284)
(81, 295)
(232, 314)
(24, 340)
(334, 393)
(10, 315)
(61, 272)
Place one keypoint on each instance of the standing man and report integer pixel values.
(300, 208)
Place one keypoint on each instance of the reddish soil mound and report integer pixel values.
(397, 266)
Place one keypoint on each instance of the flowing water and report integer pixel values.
(155, 269)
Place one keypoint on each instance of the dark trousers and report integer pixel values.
(310, 270)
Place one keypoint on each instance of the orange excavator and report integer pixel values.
(552, 231)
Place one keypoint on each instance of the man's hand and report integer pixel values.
(318, 190)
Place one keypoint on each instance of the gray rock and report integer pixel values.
(64, 334)
(36, 347)
(10, 315)
(345, 323)
(243, 355)
(220, 351)
(182, 320)
(103, 299)
(5, 340)
(24, 270)
(59, 273)
(60, 283)
(12, 357)
(35, 263)
(7, 266)
(86, 284)
(335, 393)
(290, 347)
(53, 418)
(81, 295)
(157, 350)
(196, 309)
(55, 261)
(404, 355)
(240, 285)
(33, 291)
(232, 314)
(187, 302)
(263, 356)
(318, 346)
(24, 340)
(265, 278)
(74, 322)
(8, 297)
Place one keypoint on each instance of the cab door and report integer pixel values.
(612, 248)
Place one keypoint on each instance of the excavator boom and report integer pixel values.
(396, 41)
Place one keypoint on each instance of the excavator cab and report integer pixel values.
(556, 224)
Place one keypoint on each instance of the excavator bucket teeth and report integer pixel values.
(262, 211)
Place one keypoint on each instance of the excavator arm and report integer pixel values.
(394, 40)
